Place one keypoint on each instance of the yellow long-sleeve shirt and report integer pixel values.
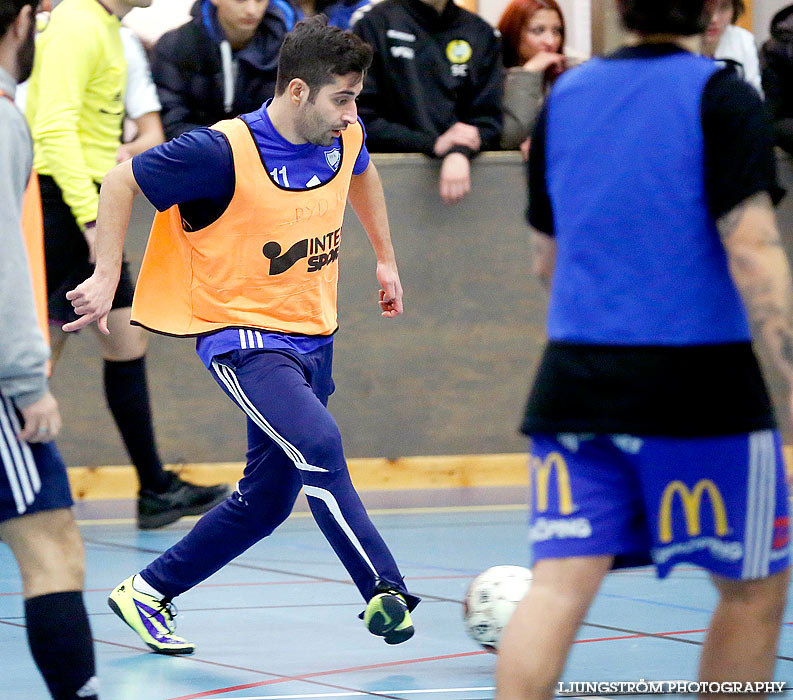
(75, 102)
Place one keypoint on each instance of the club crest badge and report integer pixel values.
(333, 157)
(459, 51)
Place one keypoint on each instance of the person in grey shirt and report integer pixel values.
(36, 520)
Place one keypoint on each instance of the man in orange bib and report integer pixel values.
(243, 254)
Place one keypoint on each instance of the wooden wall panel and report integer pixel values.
(472, 5)
(747, 21)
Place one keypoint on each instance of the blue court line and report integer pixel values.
(654, 602)
(402, 561)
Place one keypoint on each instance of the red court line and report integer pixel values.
(318, 674)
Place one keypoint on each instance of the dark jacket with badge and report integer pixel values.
(776, 59)
(200, 81)
(429, 71)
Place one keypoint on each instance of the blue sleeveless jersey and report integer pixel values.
(639, 259)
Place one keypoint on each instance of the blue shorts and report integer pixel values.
(32, 476)
(717, 502)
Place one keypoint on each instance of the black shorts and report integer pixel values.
(66, 253)
(32, 476)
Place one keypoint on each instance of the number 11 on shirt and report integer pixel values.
(284, 179)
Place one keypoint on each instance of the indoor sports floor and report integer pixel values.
(281, 621)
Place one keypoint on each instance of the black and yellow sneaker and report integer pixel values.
(387, 616)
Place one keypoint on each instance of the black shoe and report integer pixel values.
(182, 498)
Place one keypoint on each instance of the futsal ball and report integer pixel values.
(490, 601)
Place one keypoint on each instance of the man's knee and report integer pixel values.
(259, 510)
(324, 449)
(572, 577)
(125, 342)
(757, 599)
(49, 551)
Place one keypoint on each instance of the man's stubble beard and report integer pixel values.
(313, 132)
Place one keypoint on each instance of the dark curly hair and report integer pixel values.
(681, 17)
(317, 53)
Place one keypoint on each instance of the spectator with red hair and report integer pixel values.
(533, 37)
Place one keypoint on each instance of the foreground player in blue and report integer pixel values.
(652, 177)
(244, 254)
(36, 520)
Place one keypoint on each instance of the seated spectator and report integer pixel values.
(777, 61)
(435, 85)
(731, 45)
(220, 64)
(338, 12)
(532, 37)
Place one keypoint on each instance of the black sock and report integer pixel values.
(60, 641)
(128, 399)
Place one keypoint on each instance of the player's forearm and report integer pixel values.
(368, 200)
(115, 208)
(761, 271)
(150, 134)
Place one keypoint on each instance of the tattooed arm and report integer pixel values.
(761, 272)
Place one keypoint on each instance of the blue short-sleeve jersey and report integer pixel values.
(196, 169)
(196, 172)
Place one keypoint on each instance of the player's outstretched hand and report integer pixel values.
(92, 301)
(391, 290)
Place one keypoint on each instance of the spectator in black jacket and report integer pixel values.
(220, 64)
(435, 85)
(776, 59)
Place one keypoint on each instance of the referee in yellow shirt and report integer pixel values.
(75, 107)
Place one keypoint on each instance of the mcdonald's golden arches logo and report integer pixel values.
(691, 501)
(553, 462)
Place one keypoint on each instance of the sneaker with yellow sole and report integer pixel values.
(150, 617)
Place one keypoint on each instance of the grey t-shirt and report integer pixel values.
(23, 351)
